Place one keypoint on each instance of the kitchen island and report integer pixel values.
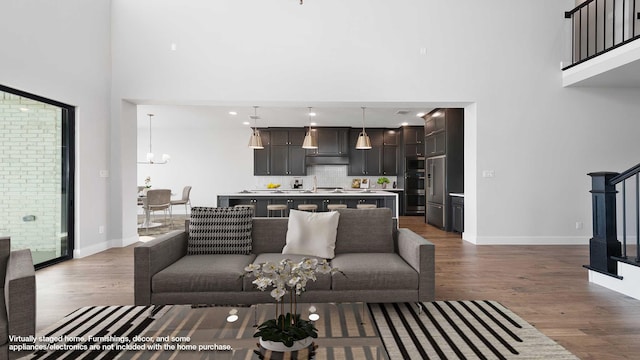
(322, 198)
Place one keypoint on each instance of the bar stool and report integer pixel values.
(308, 207)
(366, 206)
(250, 206)
(333, 207)
(276, 207)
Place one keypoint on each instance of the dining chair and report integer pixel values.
(184, 200)
(160, 200)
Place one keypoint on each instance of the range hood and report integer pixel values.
(326, 160)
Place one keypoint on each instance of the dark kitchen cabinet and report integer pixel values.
(379, 160)
(434, 122)
(390, 137)
(293, 137)
(413, 135)
(457, 214)
(436, 144)
(331, 142)
(413, 138)
(282, 154)
(288, 160)
(262, 157)
(390, 160)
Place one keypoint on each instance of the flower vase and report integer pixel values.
(280, 347)
(384, 185)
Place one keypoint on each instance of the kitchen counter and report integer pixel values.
(294, 197)
(321, 193)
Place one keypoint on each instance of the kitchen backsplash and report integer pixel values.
(327, 175)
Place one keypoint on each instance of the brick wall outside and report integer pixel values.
(30, 173)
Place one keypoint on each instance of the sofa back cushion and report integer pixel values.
(220, 231)
(365, 231)
(269, 235)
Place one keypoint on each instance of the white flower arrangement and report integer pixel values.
(147, 182)
(287, 275)
(292, 277)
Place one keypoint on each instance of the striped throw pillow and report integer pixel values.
(220, 231)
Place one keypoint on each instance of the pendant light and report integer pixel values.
(150, 155)
(255, 141)
(363, 143)
(309, 142)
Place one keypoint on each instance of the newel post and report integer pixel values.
(604, 243)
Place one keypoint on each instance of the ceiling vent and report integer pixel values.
(402, 112)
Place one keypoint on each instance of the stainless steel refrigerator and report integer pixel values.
(436, 197)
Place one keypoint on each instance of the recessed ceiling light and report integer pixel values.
(312, 114)
(246, 123)
(404, 123)
(314, 124)
(24, 109)
(420, 114)
(233, 113)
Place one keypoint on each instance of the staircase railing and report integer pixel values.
(599, 26)
(604, 248)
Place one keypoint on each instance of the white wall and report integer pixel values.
(540, 139)
(207, 153)
(60, 50)
(503, 56)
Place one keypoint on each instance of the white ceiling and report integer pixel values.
(282, 114)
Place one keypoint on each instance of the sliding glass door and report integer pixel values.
(36, 175)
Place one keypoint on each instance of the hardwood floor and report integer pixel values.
(545, 285)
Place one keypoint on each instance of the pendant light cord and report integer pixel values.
(150, 116)
(363, 131)
(255, 119)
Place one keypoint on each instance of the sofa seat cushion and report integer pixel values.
(373, 271)
(202, 273)
(323, 281)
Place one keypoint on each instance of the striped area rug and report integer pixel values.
(96, 321)
(343, 333)
(461, 330)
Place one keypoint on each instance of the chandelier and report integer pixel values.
(150, 155)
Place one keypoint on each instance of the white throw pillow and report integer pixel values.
(312, 234)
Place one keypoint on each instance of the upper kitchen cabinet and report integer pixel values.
(283, 155)
(413, 138)
(381, 159)
(443, 131)
(293, 137)
(434, 122)
(331, 142)
(390, 137)
(262, 157)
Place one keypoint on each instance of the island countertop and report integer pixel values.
(306, 193)
(259, 199)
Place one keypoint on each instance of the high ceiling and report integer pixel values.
(296, 114)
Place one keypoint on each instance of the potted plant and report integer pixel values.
(383, 181)
(287, 332)
(147, 185)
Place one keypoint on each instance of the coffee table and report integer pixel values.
(345, 331)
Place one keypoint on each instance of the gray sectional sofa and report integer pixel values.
(381, 263)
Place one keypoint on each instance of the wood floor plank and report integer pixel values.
(545, 285)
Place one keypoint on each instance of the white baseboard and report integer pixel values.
(526, 240)
(94, 249)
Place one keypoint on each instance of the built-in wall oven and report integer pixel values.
(414, 186)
